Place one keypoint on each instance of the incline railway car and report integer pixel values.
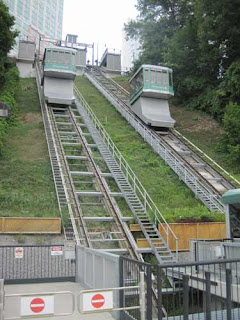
(59, 72)
(151, 88)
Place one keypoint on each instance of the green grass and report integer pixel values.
(172, 197)
(200, 129)
(27, 187)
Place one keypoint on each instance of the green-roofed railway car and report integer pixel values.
(60, 62)
(151, 88)
(59, 72)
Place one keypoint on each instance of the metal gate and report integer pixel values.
(129, 271)
(26, 264)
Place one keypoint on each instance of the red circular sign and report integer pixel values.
(98, 301)
(37, 305)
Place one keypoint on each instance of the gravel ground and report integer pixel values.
(30, 239)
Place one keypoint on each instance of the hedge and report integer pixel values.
(7, 96)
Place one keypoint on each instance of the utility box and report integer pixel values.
(81, 60)
(69, 250)
(26, 50)
(111, 63)
(5, 111)
(26, 59)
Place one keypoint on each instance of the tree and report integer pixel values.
(7, 38)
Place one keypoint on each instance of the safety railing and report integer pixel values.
(208, 159)
(185, 173)
(38, 305)
(201, 290)
(137, 186)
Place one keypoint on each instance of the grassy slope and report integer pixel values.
(26, 184)
(201, 130)
(173, 198)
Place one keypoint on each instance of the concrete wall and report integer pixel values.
(113, 62)
(96, 269)
(26, 69)
(1, 298)
(81, 58)
(26, 50)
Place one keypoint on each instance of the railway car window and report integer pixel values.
(164, 78)
(147, 75)
(48, 56)
(159, 77)
(67, 58)
(137, 82)
(62, 57)
(153, 76)
(170, 79)
(54, 56)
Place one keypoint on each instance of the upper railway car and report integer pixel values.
(59, 72)
(151, 88)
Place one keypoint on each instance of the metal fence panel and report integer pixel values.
(96, 269)
(202, 290)
(130, 276)
(34, 264)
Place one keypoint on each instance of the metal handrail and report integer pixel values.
(130, 175)
(206, 156)
(163, 150)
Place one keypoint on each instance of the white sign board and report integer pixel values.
(35, 306)
(56, 251)
(19, 252)
(98, 301)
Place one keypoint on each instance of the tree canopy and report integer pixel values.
(7, 38)
(199, 39)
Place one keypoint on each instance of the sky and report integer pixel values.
(98, 21)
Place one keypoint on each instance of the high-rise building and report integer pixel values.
(131, 50)
(37, 17)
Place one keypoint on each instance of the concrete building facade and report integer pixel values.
(37, 17)
(130, 52)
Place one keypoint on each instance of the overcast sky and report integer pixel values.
(98, 21)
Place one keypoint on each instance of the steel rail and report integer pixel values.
(201, 154)
(200, 186)
(71, 188)
(132, 178)
(105, 190)
(62, 166)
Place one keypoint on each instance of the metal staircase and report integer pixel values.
(154, 238)
(119, 99)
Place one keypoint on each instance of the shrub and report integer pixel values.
(231, 122)
(7, 96)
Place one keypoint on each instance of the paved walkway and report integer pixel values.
(62, 302)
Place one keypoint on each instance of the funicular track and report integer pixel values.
(73, 135)
(207, 183)
(77, 152)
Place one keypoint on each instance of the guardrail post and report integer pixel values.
(149, 292)
(121, 284)
(159, 295)
(208, 296)
(142, 299)
(1, 299)
(229, 293)
(185, 297)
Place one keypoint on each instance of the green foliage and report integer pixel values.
(7, 96)
(26, 187)
(172, 197)
(200, 40)
(231, 123)
(7, 36)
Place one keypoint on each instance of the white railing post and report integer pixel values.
(142, 297)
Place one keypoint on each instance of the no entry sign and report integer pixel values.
(35, 306)
(96, 301)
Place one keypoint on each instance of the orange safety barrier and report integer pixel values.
(30, 225)
(187, 231)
